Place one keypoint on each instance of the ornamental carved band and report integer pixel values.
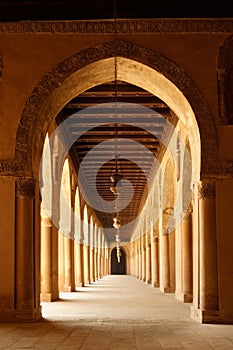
(121, 26)
(206, 190)
(25, 188)
(1, 66)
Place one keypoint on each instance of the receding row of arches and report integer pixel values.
(170, 246)
(161, 249)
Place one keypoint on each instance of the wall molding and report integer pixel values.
(128, 26)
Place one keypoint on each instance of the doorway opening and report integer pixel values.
(118, 267)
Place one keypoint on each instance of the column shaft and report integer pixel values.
(68, 265)
(208, 309)
(79, 272)
(155, 261)
(26, 308)
(166, 287)
(46, 260)
(187, 259)
(148, 259)
(208, 248)
(92, 272)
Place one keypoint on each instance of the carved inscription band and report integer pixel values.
(131, 26)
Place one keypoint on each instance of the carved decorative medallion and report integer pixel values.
(206, 190)
(25, 187)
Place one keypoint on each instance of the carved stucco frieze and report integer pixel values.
(7, 167)
(1, 67)
(128, 26)
(25, 187)
(206, 190)
(222, 170)
(225, 79)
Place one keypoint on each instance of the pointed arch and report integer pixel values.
(65, 201)
(68, 79)
(46, 180)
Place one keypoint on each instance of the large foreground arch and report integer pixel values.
(94, 66)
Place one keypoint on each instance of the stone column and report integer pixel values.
(166, 287)
(99, 255)
(92, 275)
(96, 262)
(140, 258)
(55, 291)
(26, 304)
(155, 260)
(106, 259)
(86, 252)
(187, 259)
(209, 304)
(92, 257)
(102, 256)
(46, 259)
(79, 263)
(143, 259)
(148, 258)
(133, 260)
(68, 265)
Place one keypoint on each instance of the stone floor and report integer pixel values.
(117, 312)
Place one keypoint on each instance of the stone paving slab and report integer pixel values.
(116, 313)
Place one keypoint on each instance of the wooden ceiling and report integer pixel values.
(138, 122)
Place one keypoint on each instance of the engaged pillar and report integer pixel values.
(79, 270)
(148, 259)
(187, 259)
(154, 260)
(27, 307)
(143, 260)
(208, 291)
(166, 287)
(68, 264)
(46, 259)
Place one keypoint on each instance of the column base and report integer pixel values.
(155, 284)
(148, 281)
(186, 297)
(167, 290)
(68, 289)
(205, 316)
(48, 297)
(27, 315)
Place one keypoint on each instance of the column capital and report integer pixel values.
(78, 239)
(187, 215)
(25, 187)
(206, 190)
(46, 220)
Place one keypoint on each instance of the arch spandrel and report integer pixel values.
(225, 78)
(62, 83)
